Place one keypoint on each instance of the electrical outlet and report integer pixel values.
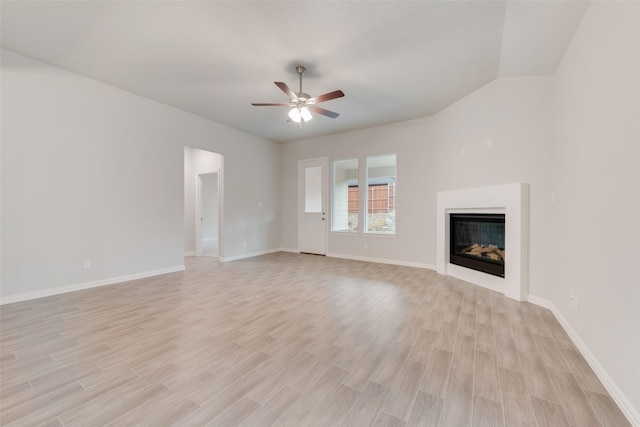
(365, 245)
(573, 299)
(87, 264)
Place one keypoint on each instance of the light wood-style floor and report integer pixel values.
(297, 340)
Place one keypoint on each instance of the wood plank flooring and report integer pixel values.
(293, 340)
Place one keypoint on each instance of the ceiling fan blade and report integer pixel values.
(283, 87)
(322, 111)
(256, 104)
(326, 97)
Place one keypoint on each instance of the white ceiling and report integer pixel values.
(395, 60)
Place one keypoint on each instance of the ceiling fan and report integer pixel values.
(303, 103)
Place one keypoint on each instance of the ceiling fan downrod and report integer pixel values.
(300, 69)
(302, 97)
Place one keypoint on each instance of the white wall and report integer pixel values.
(516, 115)
(381, 140)
(514, 112)
(93, 172)
(597, 181)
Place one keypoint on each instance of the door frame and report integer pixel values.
(324, 163)
(198, 210)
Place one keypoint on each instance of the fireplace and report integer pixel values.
(477, 242)
(512, 200)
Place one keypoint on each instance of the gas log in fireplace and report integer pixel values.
(477, 242)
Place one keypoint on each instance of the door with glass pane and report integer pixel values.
(312, 185)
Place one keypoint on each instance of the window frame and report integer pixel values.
(366, 197)
(363, 200)
(346, 230)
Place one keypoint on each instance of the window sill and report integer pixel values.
(374, 233)
(362, 234)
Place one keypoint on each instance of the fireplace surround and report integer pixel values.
(510, 200)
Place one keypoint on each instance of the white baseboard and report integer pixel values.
(248, 255)
(383, 261)
(331, 255)
(542, 303)
(367, 259)
(86, 285)
(621, 400)
(192, 253)
(292, 250)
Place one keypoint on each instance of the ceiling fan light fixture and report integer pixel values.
(306, 114)
(295, 115)
(298, 114)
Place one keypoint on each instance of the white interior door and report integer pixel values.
(312, 186)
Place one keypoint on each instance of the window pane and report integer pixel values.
(313, 189)
(381, 194)
(345, 195)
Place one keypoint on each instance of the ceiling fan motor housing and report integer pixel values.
(303, 97)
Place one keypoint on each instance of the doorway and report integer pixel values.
(207, 215)
(203, 203)
(312, 223)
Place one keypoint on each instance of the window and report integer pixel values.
(313, 189)
(381, 194)
(345, 196)
(379, 207)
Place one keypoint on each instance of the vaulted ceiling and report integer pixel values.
(395, 60)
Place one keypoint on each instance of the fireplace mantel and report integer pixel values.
(513, 201)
